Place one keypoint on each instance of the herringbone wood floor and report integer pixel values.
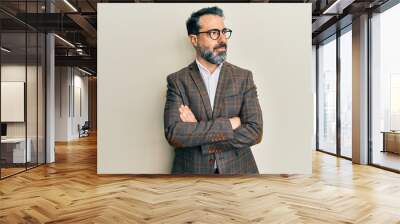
(69, 191)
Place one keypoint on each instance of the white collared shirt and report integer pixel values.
(211, 82)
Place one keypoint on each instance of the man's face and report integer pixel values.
(213, 51)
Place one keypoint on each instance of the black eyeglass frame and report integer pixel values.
(224, 31)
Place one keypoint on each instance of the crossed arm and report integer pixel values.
(183, 130)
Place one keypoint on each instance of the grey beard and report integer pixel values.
(210, 57)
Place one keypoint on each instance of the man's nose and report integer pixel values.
(221, 42)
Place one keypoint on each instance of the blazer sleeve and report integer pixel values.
(188, 134)
(251, 130)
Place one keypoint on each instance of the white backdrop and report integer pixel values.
(140, 44)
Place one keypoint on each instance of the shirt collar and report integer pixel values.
(206, 70)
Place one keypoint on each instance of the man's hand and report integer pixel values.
(235, 122)
(186, 114)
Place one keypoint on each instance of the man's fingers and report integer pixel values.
(183, 117)
(186, 111)
(190, 114)
(189, 110)
(182, 114)
(182, 110)
(186, 114)
(187, 117)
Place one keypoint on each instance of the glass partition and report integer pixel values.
(22, 66)
(385, 89)
(13, 109)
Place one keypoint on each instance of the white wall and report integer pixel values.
(61, 103)
(67, 85)
(272, 40)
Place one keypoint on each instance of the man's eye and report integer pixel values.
(214, 32)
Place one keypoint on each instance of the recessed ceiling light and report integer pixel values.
(84, 71)
(70, 5)
(64, 40)
(5, 50)
(337, 7)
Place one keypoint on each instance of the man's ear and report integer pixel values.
(193, 40)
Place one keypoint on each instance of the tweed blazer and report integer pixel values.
(198, 144)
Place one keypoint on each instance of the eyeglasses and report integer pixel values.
(215, 33)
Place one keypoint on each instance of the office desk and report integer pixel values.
(13, 150)
(391, 141)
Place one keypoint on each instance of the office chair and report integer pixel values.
(84, 130)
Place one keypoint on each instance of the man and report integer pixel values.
(212, 115)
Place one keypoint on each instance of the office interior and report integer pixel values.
(48, 85)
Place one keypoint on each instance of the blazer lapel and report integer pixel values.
(198, 80)
(221, 87)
